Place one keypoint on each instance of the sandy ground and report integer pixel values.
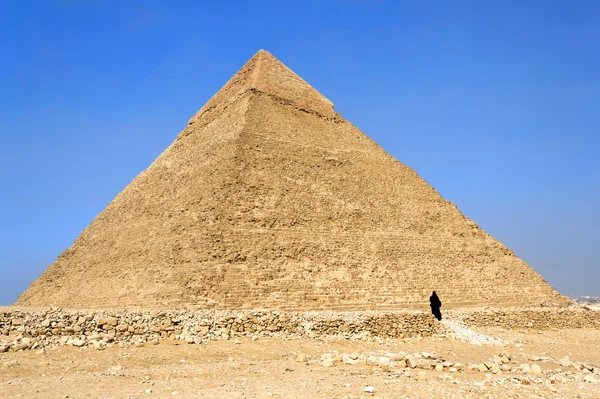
(268, 368)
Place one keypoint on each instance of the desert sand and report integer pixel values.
(299, 368)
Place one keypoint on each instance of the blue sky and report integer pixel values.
(494, 103)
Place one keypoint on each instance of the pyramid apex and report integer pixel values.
(266, 74)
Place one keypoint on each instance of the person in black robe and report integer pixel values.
(436, 304)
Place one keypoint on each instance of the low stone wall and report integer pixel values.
(536, 318)
(38, 329)
(28, 329)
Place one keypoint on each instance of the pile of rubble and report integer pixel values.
(460, 331)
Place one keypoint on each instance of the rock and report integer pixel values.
(439, 367)
(525, 368)
(347, 359)
(495, 369)
(383, 361)
(473, 367)
(424, 364)
(372, 361)
(482, 367)
(369, 389)
(11, 363)
(21, 346)
(3, 348)
(535, 369)
(329, 362)
(111, 321)
(302, 357)
(411, 363)
(565, 362)
(459, 366)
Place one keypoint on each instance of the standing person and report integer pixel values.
(436, 304)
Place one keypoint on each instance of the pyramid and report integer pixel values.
(270, 199)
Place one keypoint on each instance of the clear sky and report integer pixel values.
(495, 103)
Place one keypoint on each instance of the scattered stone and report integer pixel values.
(565, 362)
(424, 364)
(372, 361)
(76, 342)
(347, 359)
(421, 375)
(505, 367)
(591, 379)
(302, 357)
(383, 361)
(11, 363)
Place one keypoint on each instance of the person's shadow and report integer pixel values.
(436, 304)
